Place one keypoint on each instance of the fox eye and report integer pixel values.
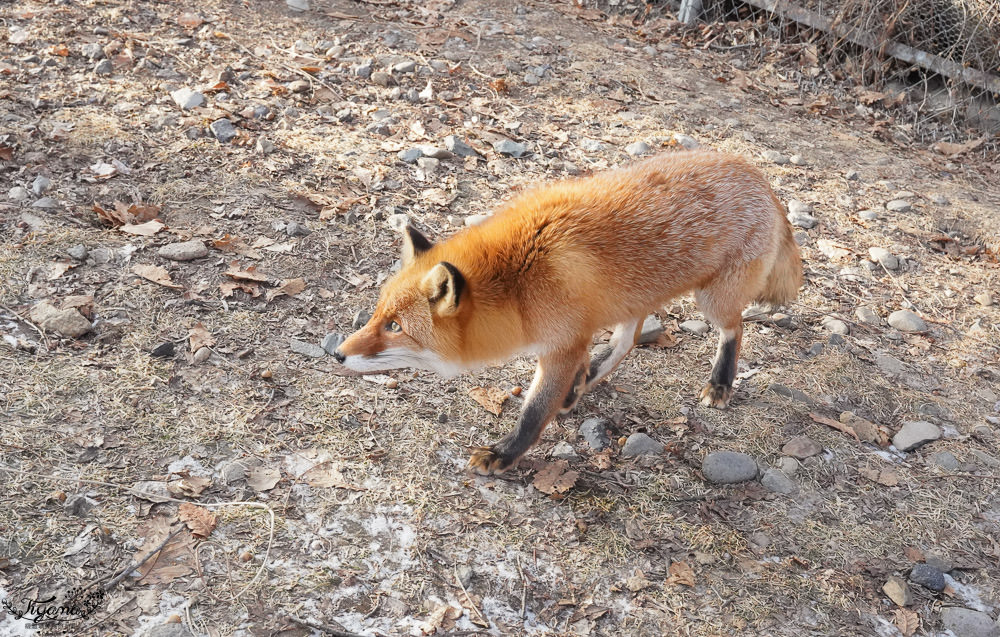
(393, 326)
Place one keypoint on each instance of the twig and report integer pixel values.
(469, 597)
(315, 625)
(128, 570)
(45, 339)
(524, 586)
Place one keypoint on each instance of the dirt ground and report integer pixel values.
(329, 503)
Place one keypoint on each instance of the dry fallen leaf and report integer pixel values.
(830, 422)
(680, 573)
(555, 478)
(865, 429)
(907, 621)
(263, 478)
(156, 274)
(289, 287)
(491, 399)
(250, 287)
(885, 477)
(328, 477)
(442, 618)
(199, 337)
(146, 229)
(250, 274)
(190, 486)
(200, 520)
(175, 559)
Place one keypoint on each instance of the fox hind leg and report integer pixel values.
(604, 359)
(722, 303)
(719, 390)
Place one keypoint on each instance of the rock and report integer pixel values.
(915, 433)
(946, 460)
(868, 215)
(651, 330)
(464, 573)
(69, 322)
(928, 577)
(898, 205)
(104, 67)
(265, 146)
(298, 5)
(187, 99)
(164, 350)
(637, 148)
(296, 229)
(938, 561)
(410, 155)
(788, 466)
(79, 505)
(406, 66)
(686, 141)
(796, 206)
(460, 148)
(836, 340)
(428, 165)
(436, 153)
(564, 451)
(595, 432)
(795, 394)
(832, 250)
(815, 350)
(364, 70)
(331, 342)
(382, 78)
(361, 318)
(897, 590)
(695, 327)
(398, 221)
(183, 251)
(836, 326)
(233, 471)
(797, 160)
(884, 258)
(983, 298)
(18, 193)
(93, 51)
(802, 220)
(510, 148)
(774, 157)
(178, 629)
(985, 458)
(40, 185)
(728, 467)
(964, 622)
(223, 130)
(777, 482)
(78, 252)
(867, 316)
(591, 145)
(531, 79)
(202, 355)
(299, 86)
(45, 202)
(306, 349)
(890, 365)
(852, 175)
(639, 444)
(781, 319)
(907, 321)
(939, 199)
(802, 447)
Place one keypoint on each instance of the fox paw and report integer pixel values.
(486, 461)
(717, 396)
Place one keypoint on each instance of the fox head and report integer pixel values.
(418, 320)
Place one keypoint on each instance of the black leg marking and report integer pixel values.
(600, 354)
(575, 391)
(724, 370)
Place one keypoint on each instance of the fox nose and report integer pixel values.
(340, 357)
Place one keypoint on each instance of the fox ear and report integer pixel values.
(444, 286)
(414, 244)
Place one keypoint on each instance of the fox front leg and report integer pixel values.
(555, 375)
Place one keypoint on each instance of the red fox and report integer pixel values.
(561, 261)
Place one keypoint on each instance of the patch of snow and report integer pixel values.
(12, 627)
(170, 604)
(969, 595)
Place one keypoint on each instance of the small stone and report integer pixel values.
(797, 160)
(889, 364)
(788, 392)
(946, 460)
(728, 467)
(184, 251)
(79, 505)
(650, 331)
(637, 148)
(591, 145)
(93, 51)
(382, 78)
(907, 321)
(178, 629)
(406, 66)
(361, 318)
(915, 433)
(398, 221)
(187, 99)
(531, 79)
(867, 316)
(985, 458)
(939, 561)
(595, 432)
(695, 326)
(897, 590)
(460, 148)
(802, 220)
(983, 298)
(852, 175)
(963, 622)
(18, 193)
(510, 148)
(331, 342)
(928, 577)
(464, 573)
(836, 326)
(836, 340)
(78, 252)
(802, 447)
(40, 185)
(364, 71)
(868, 215)
(939, 199)
(233, 471)
(299, 86)
(202, 355)
(296, 229)
(639, 444)
(898, 205)
(781, 320)
(68, 322)
(884, 258)
(410, 155)
(298, 5)
(164, 350)
(788, 466)
(796, 206)
(436, 153)
(815, 350)
(686, 141)
(45, 202)
(104, 67)
(265, 146)
(564, 451)
(774, 157)
(777, 482)
(306, 349)
(223, 130)
(428, 165)
(475, 220)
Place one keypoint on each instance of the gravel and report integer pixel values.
(509, 147)
(777, 482)
(223, 130)
(410, 155)
(802, 220)
(564, 451)
(186, 99)
(884, 258)
(78, 252)
(867, 316)
(41, 185)
(898, 205)
(686, 141)
(728, 467)
(775, 157)
(68, 322)
(460, 148)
